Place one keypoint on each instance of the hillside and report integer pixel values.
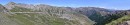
(100, 15)
(24, 14)
(42, 14)
(120, 21)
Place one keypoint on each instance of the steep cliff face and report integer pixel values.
(24, 14)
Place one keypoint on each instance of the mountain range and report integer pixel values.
(42, 14)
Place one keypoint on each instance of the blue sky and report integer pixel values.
(108, 4)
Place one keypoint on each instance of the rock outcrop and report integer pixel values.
(125, 23)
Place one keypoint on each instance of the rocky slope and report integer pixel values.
(49, 15)
(29, 14)
(100, 15)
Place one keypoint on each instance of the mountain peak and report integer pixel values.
(11, 3)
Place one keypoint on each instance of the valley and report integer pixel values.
(25, 14)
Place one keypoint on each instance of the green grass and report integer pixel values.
(120, 20)
(19, 9)
(21, 18)
(44, 19)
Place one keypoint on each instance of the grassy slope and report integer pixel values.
(120, 20)
(45, 19)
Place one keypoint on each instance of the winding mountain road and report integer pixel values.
(25, 12)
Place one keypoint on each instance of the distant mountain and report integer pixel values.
(94, 13)
(100, 15)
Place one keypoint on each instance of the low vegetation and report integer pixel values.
(120, 20)
(51, 17)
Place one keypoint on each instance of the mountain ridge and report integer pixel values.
(52, 15)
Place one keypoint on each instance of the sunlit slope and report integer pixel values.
(120, 20)
(48, 16)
